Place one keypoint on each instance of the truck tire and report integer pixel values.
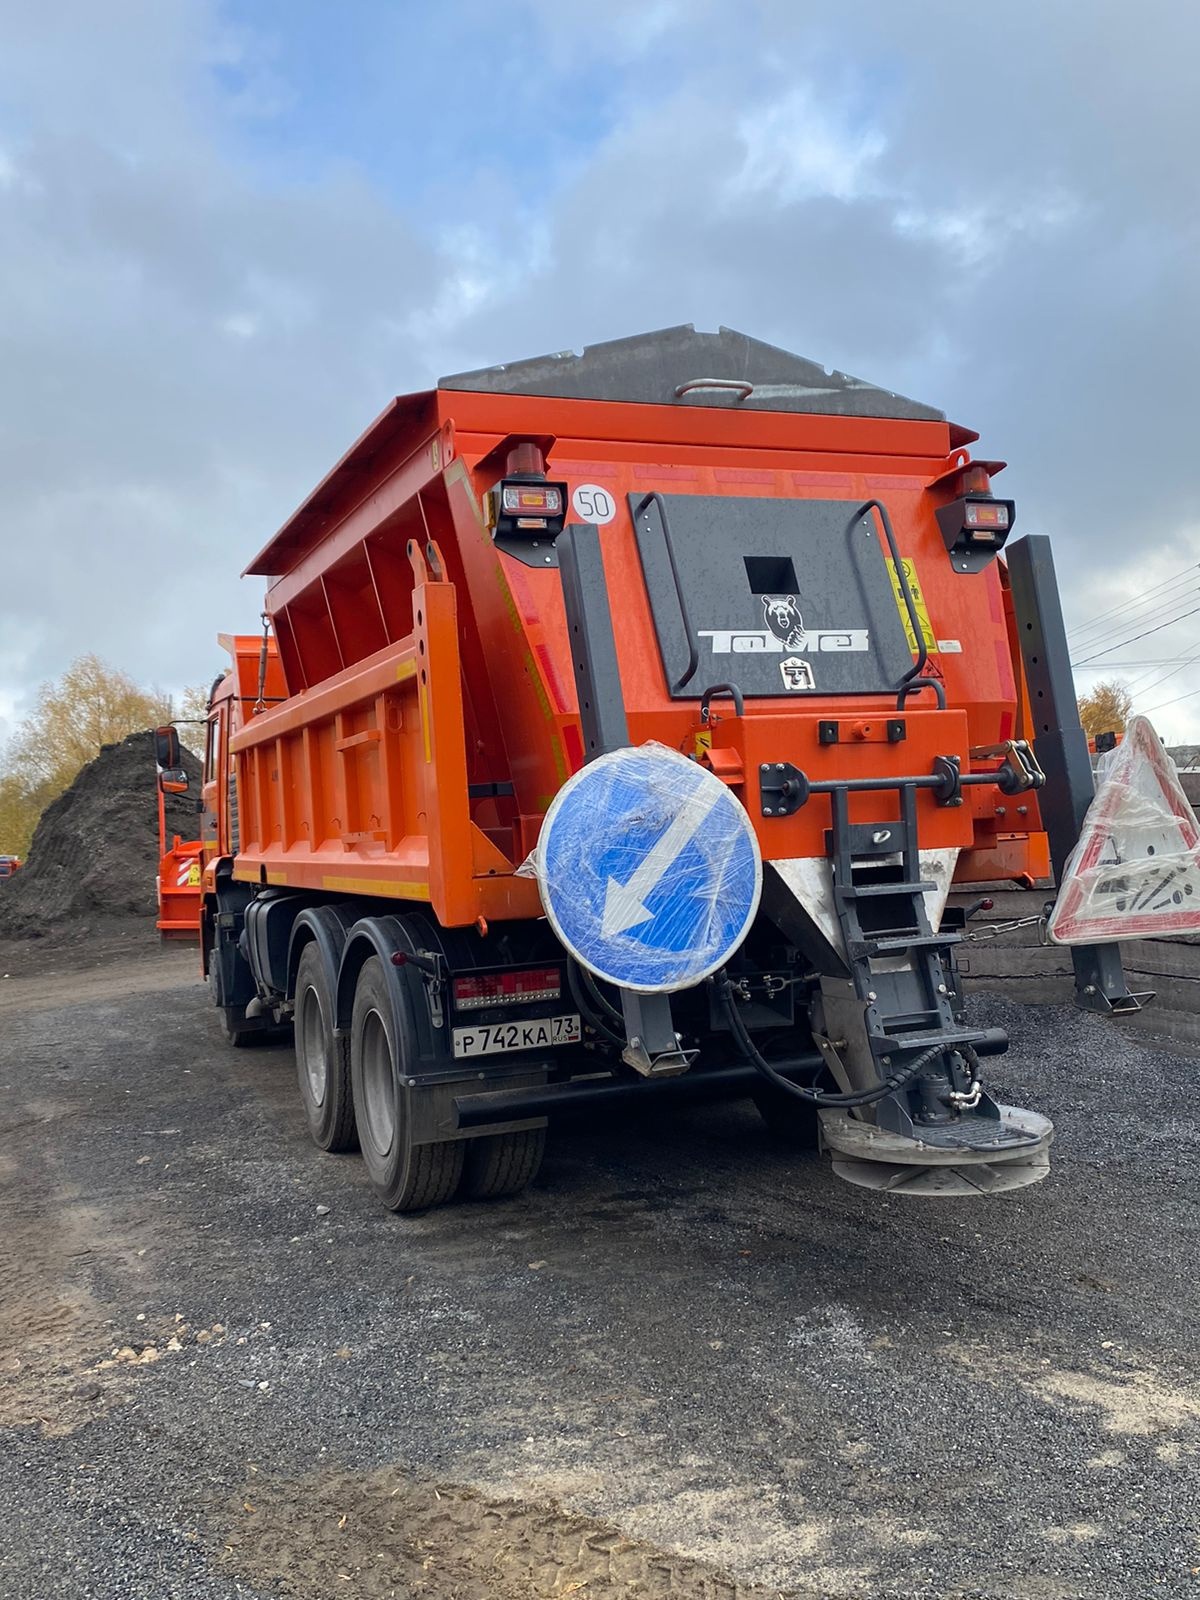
(791, 1121)
(322, 1060)
(502, 1163)
(405, 1176)
(240, 1033)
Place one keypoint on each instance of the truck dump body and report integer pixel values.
(433, 715)
(621, 724)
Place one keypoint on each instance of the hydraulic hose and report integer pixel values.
(593, 988)
(817, 1097)
(595, 1018)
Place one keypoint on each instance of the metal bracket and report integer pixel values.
(1100, 981)
(1122, 1005)
(948, 771)
(867, 839)
(432, 967)
(830, 732)
(1019, 770)
(782, 788)
(540, 552)
(653, 1048)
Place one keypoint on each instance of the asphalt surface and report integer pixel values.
(686, 1363)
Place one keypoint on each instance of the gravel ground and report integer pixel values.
(685, 1364)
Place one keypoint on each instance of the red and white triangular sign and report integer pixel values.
(1135, 872)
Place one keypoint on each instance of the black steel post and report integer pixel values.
(649, 1026)
(593, 645)
(1061, 747)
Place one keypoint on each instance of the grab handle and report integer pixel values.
(744, 390)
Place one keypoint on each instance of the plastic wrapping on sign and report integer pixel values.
(1135, 872)
(648, 869)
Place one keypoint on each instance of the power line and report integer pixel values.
(1149, 678)
(1165, 677)
(1157, 661)
(1130, 616)
(1124, 605)
(1164, 583)
(1159, 612)
(1170, 623)
(1163, 704)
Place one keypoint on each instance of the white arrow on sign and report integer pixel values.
(623, 902)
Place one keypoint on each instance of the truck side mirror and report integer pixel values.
(166, 747)
(173, 780)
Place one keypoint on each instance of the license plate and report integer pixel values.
(489, 1038)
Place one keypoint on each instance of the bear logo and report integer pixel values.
(782, 613)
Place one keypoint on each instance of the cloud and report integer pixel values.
(212, 274)
(184, 347)
(794, 149)
(1000, 217)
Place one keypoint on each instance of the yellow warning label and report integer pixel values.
(918, 594)
(702, 743)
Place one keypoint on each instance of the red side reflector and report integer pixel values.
(499, 988)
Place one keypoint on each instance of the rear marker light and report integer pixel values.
(499, 988)
(521, 509)
(526, 499)
(986, 514)
(975, 527)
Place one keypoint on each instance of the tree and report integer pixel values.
(91, 705)
(190, 713)
(193, 704)
(19, 812)
(1106, 707)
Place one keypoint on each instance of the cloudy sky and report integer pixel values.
(231, 229)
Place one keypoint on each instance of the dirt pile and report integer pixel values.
(95, 852)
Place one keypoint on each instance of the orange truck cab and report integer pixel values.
(690, 598)
(178, 880)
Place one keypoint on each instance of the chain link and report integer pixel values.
(993, 930)
(260, 704)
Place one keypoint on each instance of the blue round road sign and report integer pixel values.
(649, 869)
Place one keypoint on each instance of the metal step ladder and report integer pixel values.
(940, 1133)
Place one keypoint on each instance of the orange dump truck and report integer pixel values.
(620, 725)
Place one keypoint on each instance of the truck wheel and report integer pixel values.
(502, 1163)
(405, 1176)
(234, 1026)
(791, 1121)
(322, 1061)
